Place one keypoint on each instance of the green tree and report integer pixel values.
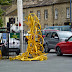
(1, 21)
(3, 2)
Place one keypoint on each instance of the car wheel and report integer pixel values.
(46, 48)
(3, 50)
(58, 51)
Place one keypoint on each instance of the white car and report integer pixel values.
(14, 45)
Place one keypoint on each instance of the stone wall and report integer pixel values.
(51, 14)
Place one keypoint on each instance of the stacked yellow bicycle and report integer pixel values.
(35, 41)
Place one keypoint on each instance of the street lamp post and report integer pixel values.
(70, 12)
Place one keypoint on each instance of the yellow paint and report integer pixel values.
(0, 55)
(14, 36)
(35, 41)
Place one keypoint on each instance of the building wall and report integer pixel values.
(61, 13)
(48, 22)
(51, 15)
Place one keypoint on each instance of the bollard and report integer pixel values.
(0, 54)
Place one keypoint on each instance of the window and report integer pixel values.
(31, 11)
(56, 14)
(45, 25)
(68, 13)
(23, 16)
(38, 14)
(70, 39)
(45, 14)
(48, 35)
(12, 20)
(54, 34)
(17, 19)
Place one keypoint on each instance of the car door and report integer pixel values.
(69, 45)
(53, 40)
(46, 39)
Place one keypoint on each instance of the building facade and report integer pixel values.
(49, 12)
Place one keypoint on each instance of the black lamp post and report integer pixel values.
(70, 12)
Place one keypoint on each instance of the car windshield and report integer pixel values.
(64, 34)
(43, 32)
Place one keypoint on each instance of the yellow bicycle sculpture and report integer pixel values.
(35, 41)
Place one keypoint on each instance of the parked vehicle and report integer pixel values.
(4, 49)
(64, 47)
(14, 45)
(45, 31)
(60, 28)
(52, 38)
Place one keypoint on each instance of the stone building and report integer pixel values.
(49, 12)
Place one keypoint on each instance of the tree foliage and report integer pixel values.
(3, 2)
(1, 21)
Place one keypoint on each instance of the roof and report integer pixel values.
(4, 7)
(45, 3)
(37, 4)
(10, 9)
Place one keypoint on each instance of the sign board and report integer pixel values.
(69, 23)
(14, 35)
(4, 35)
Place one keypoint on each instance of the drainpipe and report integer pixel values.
(53, 12)
(70, 12)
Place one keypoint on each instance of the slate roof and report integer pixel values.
(4, 7)
(39, 4)
(45, 3)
